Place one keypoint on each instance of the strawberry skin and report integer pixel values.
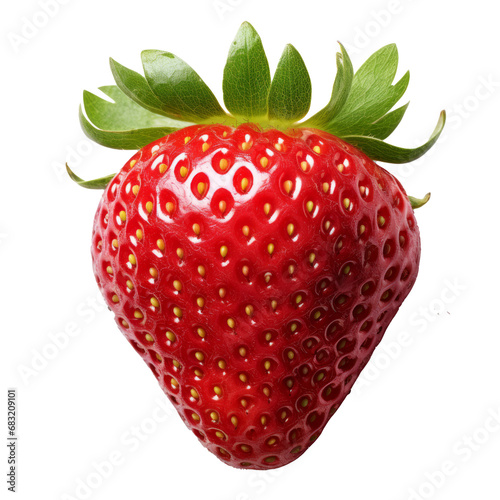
(255, 271)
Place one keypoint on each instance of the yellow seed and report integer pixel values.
(287, 186)
(200, 301)
(169, 207)
(347, 203)
(243, 402)
(274, 305)
(242, 351)
(205, 146)
(130, 285)
(201, 271)
(298, 299)
(234, 421)
(245, 270)
(183, 171)
(176, 363)
(198, 373)
(132, 163)
(160, 244)
(326, 187)
(320, 376)
(289, 229)
(293, 327)
(217, 390)
(327, 225)
(224, 134)
(267, 277)
(312, 257)
(264, 162)
(362, 190)
(174, 382)
(124, 323)
(177, 285)
(304, 165)
(196, 229)
(243, 377)
(154, 302)
(381, 220)
(186, 139)
(138, 315)
(163, 168)
(194, 393)
(222, 292)
(291, 269)
(223, 164)
(266, 391)
(267, 364)
(171, 336)
(310, 206)
(246, 146)
(223, 251)
(199, 356)
(271, 441)
(135, 189)
(244, 184)
(249, 310)
(222, 206)
(270, 248)
(290, 354)
(222, 364)
(201, 188)
(123, 215)
(304, 402)
(115, 299)
(220, 435)
(277, 146)
(317, 149)
(158, 357)
(214, 416)
(149, 207)
(317, 315)
(245, 230)
(180, 253)
(340, 167)
(138, 234)
(201, 332)
(268, 336)
(178, 312)
(132, 259)
(267, 208)
(362, 229)
(231, 323)
(245, 448)
(115, 243)
(195, 417)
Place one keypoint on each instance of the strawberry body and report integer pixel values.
(255, 271)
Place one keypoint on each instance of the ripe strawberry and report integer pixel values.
(253, 263)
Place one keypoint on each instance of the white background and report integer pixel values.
(429, 400)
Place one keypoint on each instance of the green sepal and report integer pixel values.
(378, 150)
(419, 202)
(100, 183)
(247, 78)
(290, 92)
(340, 92)
(184, 95)
(135, 86)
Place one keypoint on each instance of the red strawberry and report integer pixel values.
(255, 267)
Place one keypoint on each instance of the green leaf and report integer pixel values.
(123, 113)
(340, 92)
(386, 125)
(419, 202)
(184, 95)
(135, 86)
(94, 184)
(247, 78)
(290, 93)
(378, 150)
(123, 139)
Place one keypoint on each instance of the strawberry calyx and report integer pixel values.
(171, 96)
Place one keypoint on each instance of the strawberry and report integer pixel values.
(254, 263)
